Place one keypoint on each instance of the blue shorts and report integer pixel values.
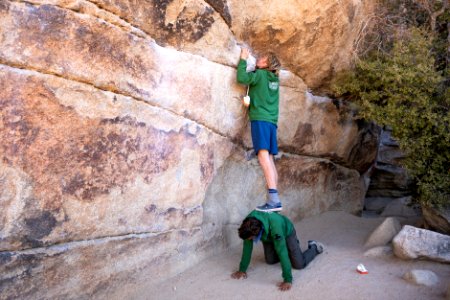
(264, 136)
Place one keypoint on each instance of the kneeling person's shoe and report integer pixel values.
(319, 246)
(268, 207)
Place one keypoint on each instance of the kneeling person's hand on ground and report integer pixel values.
(284, 286)
(239, 275)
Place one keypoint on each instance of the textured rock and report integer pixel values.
(188, 25)
(381, 251)
(123, 137)
(127, 64)
(389, 181)
(300, 178)
(312, 38)
(308, 186)
(412, 243)
(389, 151)
(421, 277)
(437, 219)
(384, 233)
(122, 63)
(388, 177)
(315, 125)
(96, 268)
(73, 148)
(323, 32)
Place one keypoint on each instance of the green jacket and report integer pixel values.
(264, 93)
(276, 228)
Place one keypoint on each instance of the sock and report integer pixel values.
(273, 198)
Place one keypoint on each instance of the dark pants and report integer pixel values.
(299, 259)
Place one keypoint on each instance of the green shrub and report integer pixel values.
(402, 89)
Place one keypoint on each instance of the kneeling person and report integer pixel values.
(280, 243)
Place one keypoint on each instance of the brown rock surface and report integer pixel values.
(312, 38)
(100, 54)
(91, 269)
(127, 64)
(117, 143)
(322, 32)
(75, 148)
(315, 126)
(308, 186)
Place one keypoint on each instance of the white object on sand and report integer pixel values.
(361, 269)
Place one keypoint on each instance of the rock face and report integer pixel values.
(301, 32)
(413, 243)
(123, 135)
(388, 193)
(239, 187)
(388, 179)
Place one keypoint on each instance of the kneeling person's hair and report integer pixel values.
(250, 227)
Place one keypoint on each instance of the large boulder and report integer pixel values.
(128, 64)
(123, 136)
(413, 243)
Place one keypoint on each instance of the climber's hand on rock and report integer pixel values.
(244, 53)
(284, 286)
(239, 275)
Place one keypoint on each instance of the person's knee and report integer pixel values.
(298, 264)
(272, 261)
(263, 154)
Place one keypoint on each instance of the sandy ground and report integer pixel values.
(331, 275)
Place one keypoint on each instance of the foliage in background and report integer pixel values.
(403, 82)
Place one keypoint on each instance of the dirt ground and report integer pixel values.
(332, 275)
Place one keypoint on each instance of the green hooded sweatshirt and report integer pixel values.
(264, 93)
(276, 229)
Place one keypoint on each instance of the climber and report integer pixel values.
(280, 244)
(263, 113)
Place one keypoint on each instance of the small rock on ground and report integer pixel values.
(384, 233)
(421, 277)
